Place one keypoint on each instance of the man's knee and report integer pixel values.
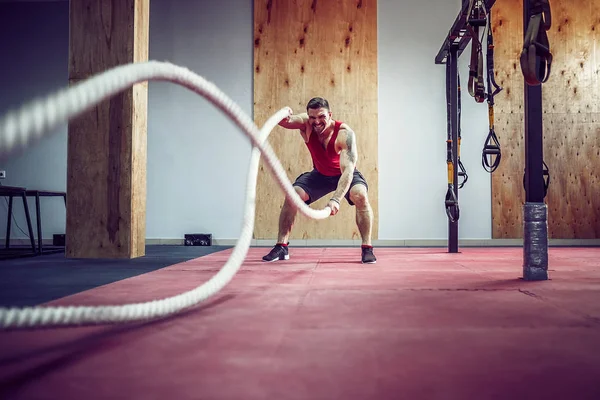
(359, 195)
(303, 195)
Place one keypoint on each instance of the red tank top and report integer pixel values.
(327, 162)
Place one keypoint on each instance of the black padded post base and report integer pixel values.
(535, 242)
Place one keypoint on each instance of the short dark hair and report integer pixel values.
(317, 102)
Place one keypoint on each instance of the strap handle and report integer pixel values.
(491, 154)
(546, 175)
(452, 208)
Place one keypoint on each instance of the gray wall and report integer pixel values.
(197, 159)
(413, 127)
(34, 61)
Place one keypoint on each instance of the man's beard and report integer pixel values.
(319, 128)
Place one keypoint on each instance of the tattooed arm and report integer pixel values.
(348, 158)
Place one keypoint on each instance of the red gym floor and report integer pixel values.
(419, 324)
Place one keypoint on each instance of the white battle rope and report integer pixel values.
(20, 129)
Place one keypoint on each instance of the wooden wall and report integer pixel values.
(571, 121)
(308, 48)
(106, 162)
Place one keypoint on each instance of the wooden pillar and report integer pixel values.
(106, 171)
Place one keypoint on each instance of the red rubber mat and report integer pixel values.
(419, 324)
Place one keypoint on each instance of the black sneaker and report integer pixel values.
(279, 252)
(367, 256)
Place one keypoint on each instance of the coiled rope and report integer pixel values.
(19, 129)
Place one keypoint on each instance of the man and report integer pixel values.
(333, 148)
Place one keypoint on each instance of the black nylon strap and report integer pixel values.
(462, 171)
(476, 18)
(536, 58)
(492, 154)
(491, 78)
(451, 202)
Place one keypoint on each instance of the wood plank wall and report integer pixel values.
(106, 163)
(304, 49)
(571, 121)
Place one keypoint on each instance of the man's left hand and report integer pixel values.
(334, 205)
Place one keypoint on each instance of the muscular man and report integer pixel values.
(333, 148)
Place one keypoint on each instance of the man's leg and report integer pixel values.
(286, 222)
(310, 186)
(364, 212)
(287, 217)
(359, 197)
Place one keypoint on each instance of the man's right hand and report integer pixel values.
(334, 205)
(287, 119)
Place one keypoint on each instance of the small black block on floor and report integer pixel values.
(58, 240)
(198, 239)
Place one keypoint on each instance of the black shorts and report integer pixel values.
(317, 185)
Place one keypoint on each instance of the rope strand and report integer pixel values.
(20, 129)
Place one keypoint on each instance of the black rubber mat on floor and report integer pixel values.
(27, 281)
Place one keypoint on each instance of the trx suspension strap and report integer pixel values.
(491, 156)
(451, 202)
(462, 172)
(475, 19)
(536, 59)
